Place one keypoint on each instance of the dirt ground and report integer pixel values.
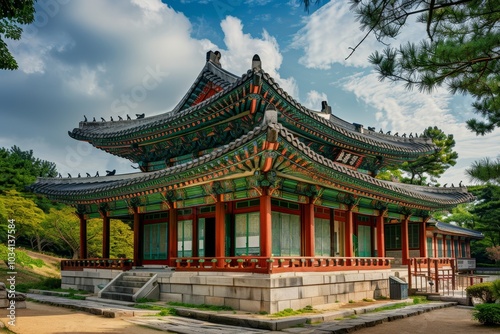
(455, 320)
(45, 319)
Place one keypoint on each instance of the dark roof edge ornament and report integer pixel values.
(214, 57)
(256, 63)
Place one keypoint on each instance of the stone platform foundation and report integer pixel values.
(252, 292)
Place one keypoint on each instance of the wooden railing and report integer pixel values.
(80, 264)
(259, 264)
(438, 275)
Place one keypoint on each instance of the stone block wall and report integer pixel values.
(275, 292)
(88, 279)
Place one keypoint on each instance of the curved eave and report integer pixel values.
(342, 132)
(129, 130)
(458, 231)
(368, 186)
(217, 164)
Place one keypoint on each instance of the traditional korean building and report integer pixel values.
(256, 201)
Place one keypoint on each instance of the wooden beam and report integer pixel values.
(308, 220)
(105, 237)
(220, 230)
(83, 237)
(380, 235)
(265, 224)
(423, 239)
(405, 245)
(137, 238)
(172, 235)
(349, 232)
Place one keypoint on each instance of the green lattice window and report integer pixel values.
(439, 247)
(456, 248)
(448, 248)
(322, 237)
(392, 236)
(430, 252)
(414, 236)
(155, 241)
(185, 238)
(286, 234)
(247, 234)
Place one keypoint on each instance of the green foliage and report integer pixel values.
(487, 314)
(483, 291)
(19, 169)
(495, 289)
(459, 51)
(24, 211)
(22, 259)
(487, 212)
(427, 167)
(49, 283)
(202, 306)
(289, 312)
(485, 170)
(13, 14)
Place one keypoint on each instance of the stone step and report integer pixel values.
(135, 278)
(129, 284)
(123, 289)
(117, 296)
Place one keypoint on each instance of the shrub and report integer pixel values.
(496, 289)
(487, 314)
(483, 291)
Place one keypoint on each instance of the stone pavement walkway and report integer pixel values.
(196, 321)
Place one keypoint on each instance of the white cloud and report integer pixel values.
(403, 111)
(241, 48)
(314, 99)
(327, 35)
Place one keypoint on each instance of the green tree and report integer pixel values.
(28, 217)
(431, 166)
(19, 168)
(485, 170)
(487, 211)
(460, 51)
(13, 14)
(63, 226)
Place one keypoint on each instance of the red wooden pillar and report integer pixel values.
(405, 248)
(434, 245)
(453, 246)
(105, 237)
(172, 235)
(444, 246)
(467, 248)
(423, 239)
(265, 224)
(380, 235)
(349, 231)
(83, 237)
(308, 211)
(137, 238)
(220, 231)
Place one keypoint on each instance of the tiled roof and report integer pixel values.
(457, 230)
(83, 186)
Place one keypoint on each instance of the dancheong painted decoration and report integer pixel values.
(239, 170)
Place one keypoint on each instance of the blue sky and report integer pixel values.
(107, 59)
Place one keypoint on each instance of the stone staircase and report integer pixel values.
(130, 286)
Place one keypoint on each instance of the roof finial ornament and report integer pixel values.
(214, 57)
(85, 118)
(128, 118)
(256, 63)
(325, 108)
(110, 172)
(140, 116)
(460, 184)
